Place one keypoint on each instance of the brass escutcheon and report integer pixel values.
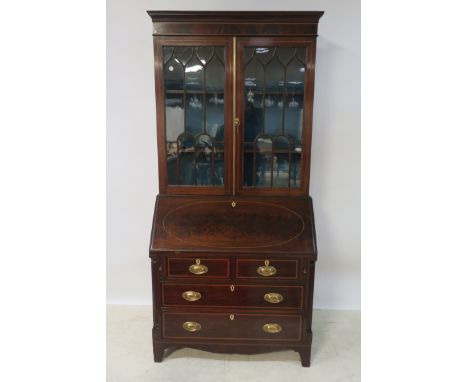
(232, 287)
(197, 268)
(231, 317)
(191, 326)
(272, 328)
(233, 204)
(266, 270)
(273, 298)
(191, 295)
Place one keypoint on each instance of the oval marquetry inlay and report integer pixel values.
(249, 225)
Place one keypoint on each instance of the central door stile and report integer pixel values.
(235, 117)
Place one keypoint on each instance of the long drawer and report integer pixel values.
(225, 295)
(232, 326)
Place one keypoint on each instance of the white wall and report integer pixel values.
(131, 145)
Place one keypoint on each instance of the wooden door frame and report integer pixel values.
(158, 42)
(310, 44)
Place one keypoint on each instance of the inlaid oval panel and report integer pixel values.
(227, 224)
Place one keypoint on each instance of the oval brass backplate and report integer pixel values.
(191, 295)
(197, 268)
(272, 328)
(191, 326)
(273, 298)
(266, 270)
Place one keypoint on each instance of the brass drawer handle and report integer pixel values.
(273, 298)
(272, 328)
(266, 270)
(191, 295)
(197, 268)
(191, 326)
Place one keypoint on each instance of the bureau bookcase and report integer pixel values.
(233, 245)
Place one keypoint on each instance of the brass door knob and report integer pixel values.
(273, 298)
(197, 268)
(191, 326)
(266, 270)
(191, 295)
(272, 328)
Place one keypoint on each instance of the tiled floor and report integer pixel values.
(335, 353)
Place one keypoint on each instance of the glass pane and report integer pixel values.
(203, 160)
(215, 116)
(254, 76)
(167, 53)
(274, 106)
(220, 53)
(194, 75)
(215, 75)
(295, 170)
(281, 159)
(195, 114)
(173, 75)
(273, 116)
(183, 54)
(265, 54)
(174, 116)
(293, 116)
(185, 162)
(263, 161)
(274, 76)
(253, 116)
(194, 98)
(204, 53)
(285, 55)
(295, 74)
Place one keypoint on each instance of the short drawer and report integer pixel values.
(232, 326)
(225, 295)
(267, 268)
(198, 267)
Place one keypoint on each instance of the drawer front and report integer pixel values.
(197, 267)
(233, 326)
(259, 296)
(267, 269)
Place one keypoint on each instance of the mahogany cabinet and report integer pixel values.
(233, 246)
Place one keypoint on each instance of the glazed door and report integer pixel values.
(274, 81)
(194, 114)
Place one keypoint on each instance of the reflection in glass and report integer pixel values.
(194, 98)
